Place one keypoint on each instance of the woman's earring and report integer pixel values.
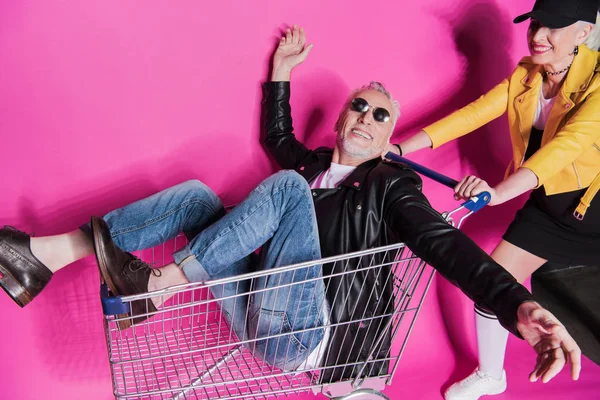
(576, 50)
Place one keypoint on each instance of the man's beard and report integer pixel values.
(354, 150)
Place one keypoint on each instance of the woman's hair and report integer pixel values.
(593, 40)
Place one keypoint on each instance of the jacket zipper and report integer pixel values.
(522, 138)
(577, 176)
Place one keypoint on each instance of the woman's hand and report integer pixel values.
(471, 186)
(390, 148)
(290, 53)
(515, 185)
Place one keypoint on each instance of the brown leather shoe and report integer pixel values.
(123, 273)
(23, 276)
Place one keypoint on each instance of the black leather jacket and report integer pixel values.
(381, 203)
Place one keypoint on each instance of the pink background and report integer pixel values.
(104, 102)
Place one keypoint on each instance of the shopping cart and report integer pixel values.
(186, 349)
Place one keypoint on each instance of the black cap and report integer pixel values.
(560, 13)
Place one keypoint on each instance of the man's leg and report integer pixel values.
(188, 207)
(286, 307)
(27, 264)
(279, 214)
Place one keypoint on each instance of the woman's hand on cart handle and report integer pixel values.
(393, 148)
(522, 181)
(470, 186)
(550, 340)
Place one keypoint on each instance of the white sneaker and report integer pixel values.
(476, 385)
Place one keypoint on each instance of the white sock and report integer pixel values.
(491, 343)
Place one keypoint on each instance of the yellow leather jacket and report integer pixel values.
(569, 158)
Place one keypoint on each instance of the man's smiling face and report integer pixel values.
(359, 134)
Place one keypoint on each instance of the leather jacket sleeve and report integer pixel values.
(277, 121)
(453, 254)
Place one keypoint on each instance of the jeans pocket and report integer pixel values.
(276, 343)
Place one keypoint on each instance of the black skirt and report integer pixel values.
(546, 227)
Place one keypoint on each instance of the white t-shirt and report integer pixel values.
(542, 112)
(332, 177)
(328, 179)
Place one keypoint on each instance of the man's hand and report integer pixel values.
(290, 53)
(550, 340)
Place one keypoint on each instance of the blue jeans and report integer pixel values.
(277, 215)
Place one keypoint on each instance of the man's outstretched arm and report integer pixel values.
(467, 266)
(277, 117)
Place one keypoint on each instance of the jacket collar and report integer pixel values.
(313, 166)
(356, 179)
(582, 70)
(311, 169)
(533, 77)
(578, 77)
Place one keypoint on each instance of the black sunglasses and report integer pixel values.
(379, 114)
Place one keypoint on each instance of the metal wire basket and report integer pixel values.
(188, 349)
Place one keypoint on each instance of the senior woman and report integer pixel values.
(553, 104)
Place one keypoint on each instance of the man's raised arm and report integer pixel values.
(277, 117)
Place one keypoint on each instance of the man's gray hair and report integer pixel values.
(593, 40)
(378, 86)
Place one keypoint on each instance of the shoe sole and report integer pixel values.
(490, 393)
(102, 265)
(13, 288)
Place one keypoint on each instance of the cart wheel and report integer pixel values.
(364, 394)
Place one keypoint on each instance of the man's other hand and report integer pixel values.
(550, 340)
(291, 52)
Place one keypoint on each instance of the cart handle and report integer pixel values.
(475, 204)
(436, 176)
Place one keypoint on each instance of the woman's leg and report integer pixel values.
(491, 336)
(520, 263)
(489, 378)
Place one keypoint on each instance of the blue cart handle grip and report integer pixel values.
(436, 176)
(112, 305)
(475, 204)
